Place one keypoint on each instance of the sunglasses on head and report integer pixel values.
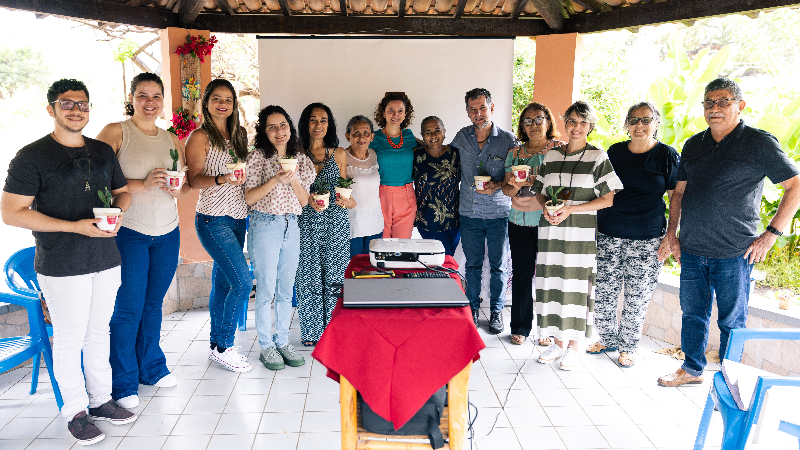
(69, 105)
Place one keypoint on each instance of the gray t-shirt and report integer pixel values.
(45, 171)
(724, 184)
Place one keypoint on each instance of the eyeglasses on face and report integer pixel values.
(635, 120)
(531, 120)
(69, 105)
(721, 102)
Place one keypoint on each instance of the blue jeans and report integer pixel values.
(494, 232)
(274, 249)
(449, 238)
(223, 238)
(148, 267)
(701, 277)
(360, 245)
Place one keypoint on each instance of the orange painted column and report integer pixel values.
(557, 81)
(191, 249)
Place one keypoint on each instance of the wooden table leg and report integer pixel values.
(347, 405)
(457, 391)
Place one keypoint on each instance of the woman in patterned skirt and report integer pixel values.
(630, 234)
(324, 231)
(566, 266)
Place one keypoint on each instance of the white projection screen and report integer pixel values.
(351, 75)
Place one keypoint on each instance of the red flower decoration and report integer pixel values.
(182, 123)
(197, 46)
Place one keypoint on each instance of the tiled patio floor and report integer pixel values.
(597, 406)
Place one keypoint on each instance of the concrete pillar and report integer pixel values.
(557, 81)
(191, 249)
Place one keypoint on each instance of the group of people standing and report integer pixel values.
(105, 296)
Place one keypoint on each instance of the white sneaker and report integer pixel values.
(570, 360)
(167, 381)
(129, 402)
(232, 360)
(552, 353)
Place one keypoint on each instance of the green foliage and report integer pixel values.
(782, 270)
(320, 187)
(106, 197)
(524, 58)
(603, 136)
(481, 170)
(345, 183)
(233, 155)
(552, 195)
(21, 68)
(173, 153)
(125, 51)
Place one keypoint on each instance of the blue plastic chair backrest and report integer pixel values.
(20, 276)
(740, 335)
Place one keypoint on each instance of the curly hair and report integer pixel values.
(380, 119)
(141, 78)
(262, 142)
(331, 139)
(551, 133)
(236, 132)
(65, 85)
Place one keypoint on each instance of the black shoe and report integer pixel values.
(476, 313)
(496, 323)
(84, 430)
(113, 413)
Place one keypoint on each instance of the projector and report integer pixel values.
(406, 253)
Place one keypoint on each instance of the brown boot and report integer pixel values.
(679, 378)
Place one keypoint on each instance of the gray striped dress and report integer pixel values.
(566, 265)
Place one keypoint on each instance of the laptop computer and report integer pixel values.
(403, 293)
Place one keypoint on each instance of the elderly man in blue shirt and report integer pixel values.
(484, 212)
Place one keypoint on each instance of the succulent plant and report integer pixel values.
(106, 197)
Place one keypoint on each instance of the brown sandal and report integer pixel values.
(517, 339)
(546, 341)
(627, 357)
(597, 348)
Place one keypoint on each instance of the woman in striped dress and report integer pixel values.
(567, 266)
(221, 214)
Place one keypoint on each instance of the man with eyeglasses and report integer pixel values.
(51, 188)
(716, 202)
(483, 147)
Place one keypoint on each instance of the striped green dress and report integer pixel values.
(566, 266)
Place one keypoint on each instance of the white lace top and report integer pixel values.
(366, 219)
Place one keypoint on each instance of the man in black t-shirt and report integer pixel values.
(717, 200)
(51, 189)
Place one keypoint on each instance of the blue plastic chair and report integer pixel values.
(21, 265)
(737, 424)
(16, 350)
(790, 428)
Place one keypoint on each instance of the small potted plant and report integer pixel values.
(520, 169)
(288, 162)
(108, 216)
(786, 299)
(236, 167)
(321, 192)
(175, 177)
(553, 203)
(343, 188)
(481, 178)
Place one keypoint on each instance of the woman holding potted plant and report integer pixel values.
(366, 219)
(630, 234)
(276, 197)
(537, 132)
(149, 237)
(437, 174)
(324, 225)
(221, 214)
(394, 144)
(578, 180)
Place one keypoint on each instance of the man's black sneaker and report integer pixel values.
(496, 323)
(113, 413)
(476, 313)
(84, 430)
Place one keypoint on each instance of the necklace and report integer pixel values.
(583, 152)
(389, 140)
(315, 160)
(481, 142)
(85, 178)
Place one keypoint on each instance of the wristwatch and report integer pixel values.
(216, 180)
(774, 230)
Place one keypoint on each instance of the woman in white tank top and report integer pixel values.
(148, 241)
(221, 213)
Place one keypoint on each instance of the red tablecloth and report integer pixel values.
(397, 358)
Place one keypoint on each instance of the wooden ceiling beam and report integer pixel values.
(666, 12)
(189, 10)
(401, 8)
(140, 2)
(342, 7)
(225, 6)
(552, 12)
(460, 8)
(100, 11)
(594, 5)
(518, 8)
(285, 7)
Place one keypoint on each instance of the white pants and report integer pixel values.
(80, 309)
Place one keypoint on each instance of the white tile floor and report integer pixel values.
(531, 406)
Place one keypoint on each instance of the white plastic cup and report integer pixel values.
(343, 192)
(237, 170)
(175, 179)
(322, 199)
(108, 216)
(481, 180)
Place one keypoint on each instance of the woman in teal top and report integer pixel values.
(537, 133)
(394, 145)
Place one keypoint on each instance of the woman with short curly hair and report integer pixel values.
(394, 144)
